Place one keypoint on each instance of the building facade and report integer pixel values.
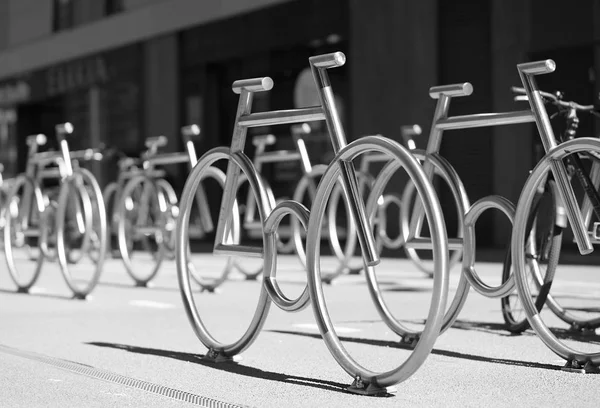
(124, 70)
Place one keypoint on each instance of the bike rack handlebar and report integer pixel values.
(452, 90)
(38, 140)
(190, 130)
(326, 61)
(156, 141)
(408, 133)
(301, 129)
(264, 140)
(252, 85)
(63, 129)
(537, 67)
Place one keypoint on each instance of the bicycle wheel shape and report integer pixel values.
(542, 249)
(141, 221)
(22, 232)
(406, 208)
(305, 193)
(170, 198)
(417, 356)
(335, 219)
(220, 274)
(235, 342)
(81, 227)
(252, 270)
(580, 352)
(83, 230)
(459, 285)
(580, 319)
(110, 195)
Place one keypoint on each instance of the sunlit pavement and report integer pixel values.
(56, 351)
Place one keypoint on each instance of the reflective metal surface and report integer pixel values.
(555, 342)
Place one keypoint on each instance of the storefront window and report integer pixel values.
(114, 6)
(72, 13)
(63, 14)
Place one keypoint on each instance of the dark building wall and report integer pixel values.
(4, 20)
(161, 96)
(465, 56)
(511, 145)
(393, 62)
(524, 31)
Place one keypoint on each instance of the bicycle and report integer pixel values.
(566, 152)
(128, 167)
(30, 215)
(340, 170)
(521, 216)
(148, 206)
(545, 240)
(469, 214)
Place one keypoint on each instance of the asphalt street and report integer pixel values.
(134, 347)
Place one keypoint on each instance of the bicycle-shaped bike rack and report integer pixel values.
(558, 156)
(147, 206)
(341, 170)
(521, 216)
(547, 222)
(30, 214)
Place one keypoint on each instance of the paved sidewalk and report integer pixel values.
(61, 352)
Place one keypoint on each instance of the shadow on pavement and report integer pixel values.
(231, 367)
(446, 353)
(150, 286)
(497, 328)
(584, 309)
(39, 294)
(405, 288)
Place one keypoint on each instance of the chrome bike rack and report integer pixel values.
(341, 170)
(151, 185)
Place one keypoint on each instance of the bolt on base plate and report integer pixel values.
(573, 366)
(409, 340)
(214, 356)
(361, 388)
(582, 330)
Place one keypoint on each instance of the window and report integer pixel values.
(73, 13)
(113, 7)
(63, 14)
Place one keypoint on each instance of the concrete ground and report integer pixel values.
(134, 347)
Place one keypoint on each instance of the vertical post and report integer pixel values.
(233, 171)
(96, 130)
(565, 190)
(319, 66)
(187, 134)
(433, 146)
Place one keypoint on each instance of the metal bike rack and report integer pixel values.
(151, 178)
(76, 182)
(341, 171)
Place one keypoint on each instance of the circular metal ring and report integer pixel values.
(182, 255)
(486, 203)
(388, 242)
(270, 254)
(518, 249)
(440, 249)
(462, 203)
(445, 170)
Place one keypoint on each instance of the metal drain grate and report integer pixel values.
(100, 374)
